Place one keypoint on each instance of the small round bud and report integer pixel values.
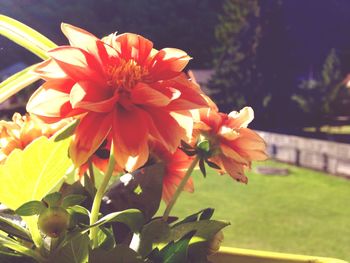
(53, 221)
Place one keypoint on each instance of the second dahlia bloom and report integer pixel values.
(176, 165)
(21, 131)
(119, 86)
(233, 145)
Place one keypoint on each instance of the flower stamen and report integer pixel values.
(125, 75)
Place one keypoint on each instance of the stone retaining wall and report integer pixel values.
(331, 157)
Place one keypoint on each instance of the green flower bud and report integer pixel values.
(53, 221)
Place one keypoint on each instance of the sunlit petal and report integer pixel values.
(89, 136)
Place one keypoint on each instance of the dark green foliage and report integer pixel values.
(13, 229)
(236, 73)
(318, 95)
(30, 208)
(252, 66)
(173, 252)
(124, 194)
(119, 254)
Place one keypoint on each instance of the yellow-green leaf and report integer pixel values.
(17, 82)
(25, 36)
(32, 173)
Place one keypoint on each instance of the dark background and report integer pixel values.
(287, 59)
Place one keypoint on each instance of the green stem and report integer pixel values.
(98, 198)
(179, 189)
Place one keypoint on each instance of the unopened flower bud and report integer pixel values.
(53, 221)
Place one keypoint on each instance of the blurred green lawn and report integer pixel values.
(343, 129)
(306, 212)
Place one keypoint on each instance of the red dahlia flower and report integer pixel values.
(233, 145)
(119, 86)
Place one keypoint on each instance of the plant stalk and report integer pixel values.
(179, 189)
(98, 198)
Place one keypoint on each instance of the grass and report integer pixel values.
(306, 212)
(344, 129)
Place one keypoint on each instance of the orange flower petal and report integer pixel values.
(167, 63)
(78, 64)
(190, 95)
(241, 118)
(176, 166)
(86, 95)
(211, 118)
(159, 128)
(228, 133)
(250, 140)
(89, 136)
(130, 134)
(185, 120)
(49, 69)
(85, 40)
(232, 154)
(63, 85)
(79, 37)
(131, 46)
(234, 169)
(47, 102)
(144, 94)
(51, 105)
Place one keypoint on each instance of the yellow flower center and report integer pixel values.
(125, 75)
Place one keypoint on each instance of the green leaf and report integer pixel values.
(205, 229)
(75, 251)
(200, 215)
(206, 214)
(14, 229)
(105, 238)
(189, 152)
(80, 210)
(39, 167)
(17, 82)
(78, 216)
(185, 145)
(6, 254)
(202, 167)
(213, 165)
(66, 131)
(122, 194)
(71, 200)
(76, 188)
(30, 208)
(53, 199)
(174, 252)
(133, 218)
(154, 232)
(25, 36)
(119, 254)
(6, 242)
